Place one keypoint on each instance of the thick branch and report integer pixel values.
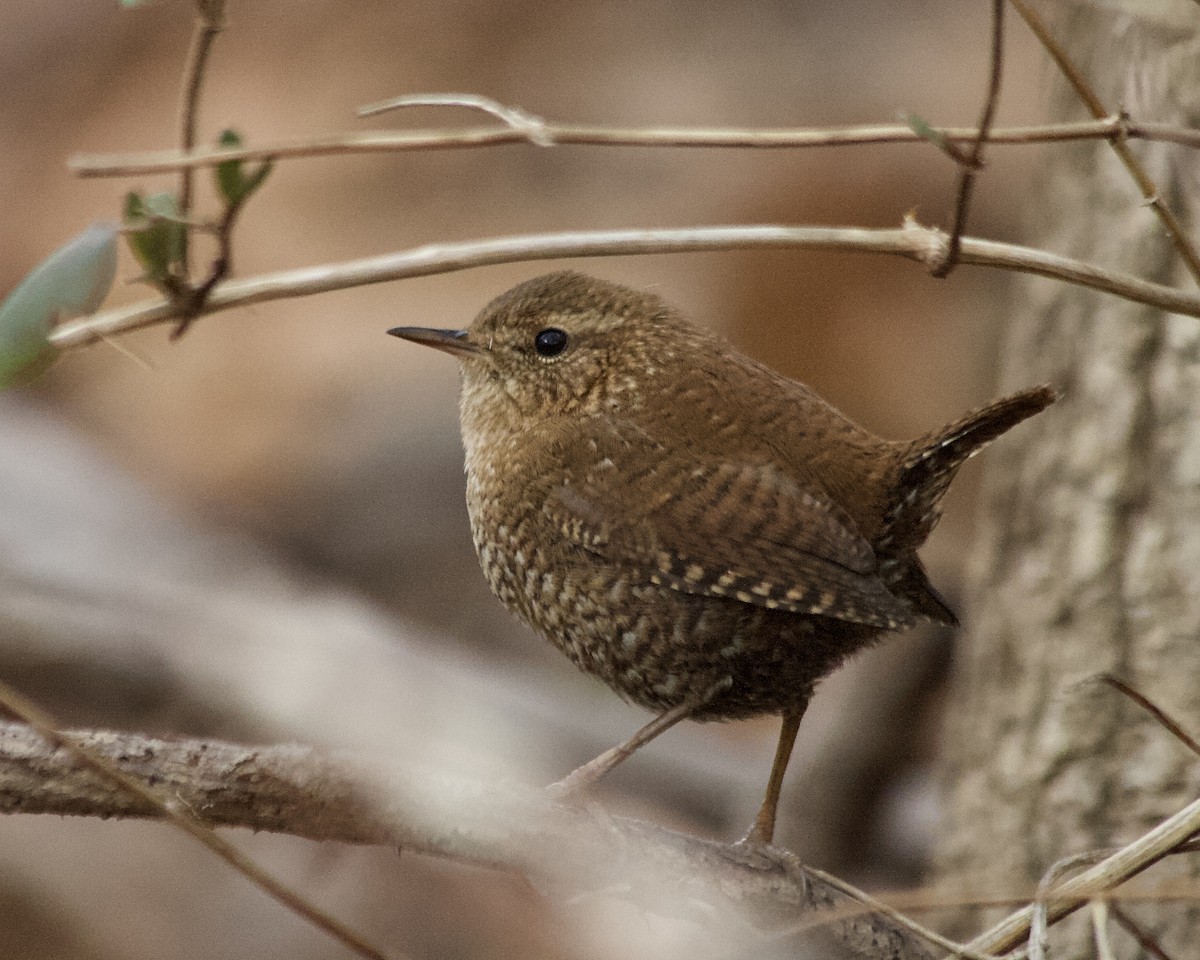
(923, 244)
(302, 792)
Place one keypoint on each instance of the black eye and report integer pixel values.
(550, 342)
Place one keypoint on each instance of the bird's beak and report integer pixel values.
(454, 342)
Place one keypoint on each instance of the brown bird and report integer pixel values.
(706, 536)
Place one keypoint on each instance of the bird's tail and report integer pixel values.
(933, 460)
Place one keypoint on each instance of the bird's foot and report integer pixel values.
(756, 840)
(574, 789)
(577, 785)
(755, 851)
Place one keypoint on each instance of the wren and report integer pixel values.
(706, 536)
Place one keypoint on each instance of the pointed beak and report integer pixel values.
(451, 341)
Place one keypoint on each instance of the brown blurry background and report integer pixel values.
(262, 535)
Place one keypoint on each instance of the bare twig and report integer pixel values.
(177, 810)
(210, 17)
(195, 298)
(1090, 99)
(165, 161)
(1134, 929)
(1070, 895)
(878, 906)
(1104, 950)
(1039, 924)
(922, 244)
(532, 126)
(1157, 712)
(970, 166)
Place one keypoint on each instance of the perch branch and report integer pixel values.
(149, 793)
(302, 792)
(913, 241)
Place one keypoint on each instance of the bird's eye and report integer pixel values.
(550, 342)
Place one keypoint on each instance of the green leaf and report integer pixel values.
(73, 280)
(158, 235)
(925, 131)
(229, 173)
(922, 129)
(233, 185)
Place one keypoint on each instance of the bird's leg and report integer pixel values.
(762, 831)
(583, 778)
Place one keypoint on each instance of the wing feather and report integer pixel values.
(745, 531)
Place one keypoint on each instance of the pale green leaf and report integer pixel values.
(73, 280)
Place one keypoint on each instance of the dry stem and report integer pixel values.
(970, 164)
(1092, 101)
(1070, 895)
(382, 141)
(210, 16)
(915, 242)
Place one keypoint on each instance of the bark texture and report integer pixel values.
(1090, 555)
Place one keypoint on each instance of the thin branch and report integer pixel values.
(175, 809)
(970, 166)
(1134, 929)
(191, 303)
(1104, 950)
(573, 850)
(532, 126)
(1116, 127)
(922, 931)
(1072, 894)
(1039, 923)
(913, 241)
(210, 18)
(1092, 101)
(1158, 713)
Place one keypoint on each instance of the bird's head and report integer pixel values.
(559, 345)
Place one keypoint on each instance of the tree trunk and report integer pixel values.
(1089, 558)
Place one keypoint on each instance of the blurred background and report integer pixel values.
(258, 531)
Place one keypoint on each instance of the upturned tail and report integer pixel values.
(933, 460)
(921, 481)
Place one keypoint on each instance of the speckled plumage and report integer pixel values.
(670, 513)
